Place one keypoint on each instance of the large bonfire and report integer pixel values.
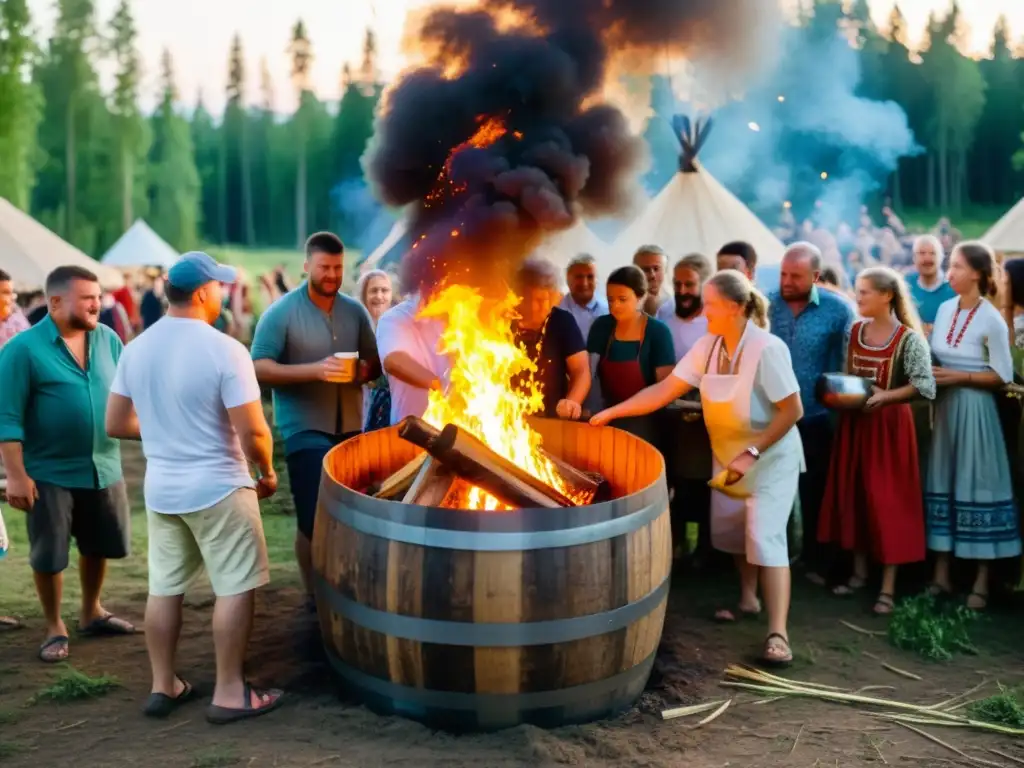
(500, 139)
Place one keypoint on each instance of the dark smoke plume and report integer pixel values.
(501, 138)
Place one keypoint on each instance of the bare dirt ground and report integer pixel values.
(319, 727)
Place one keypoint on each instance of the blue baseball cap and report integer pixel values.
(195, 269)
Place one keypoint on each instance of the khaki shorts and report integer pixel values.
(225, 539)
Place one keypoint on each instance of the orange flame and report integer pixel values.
(480, 399)
(491, 129)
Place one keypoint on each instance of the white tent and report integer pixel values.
(140, 246)
(394, 237)
(694, 213)
(29, 252)
(1007, 236)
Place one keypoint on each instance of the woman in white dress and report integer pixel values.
(969, 505)
(751, 403)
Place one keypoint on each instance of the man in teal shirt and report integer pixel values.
(928, 286)
(62, 469)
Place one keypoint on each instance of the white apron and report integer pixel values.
(755, 526)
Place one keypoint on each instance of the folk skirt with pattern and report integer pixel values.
(873, 500)
(969, 502)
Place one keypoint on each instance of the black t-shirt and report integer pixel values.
(151, 309)
(558, 339)
(38, 314)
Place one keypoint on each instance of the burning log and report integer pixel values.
(591, 485)
(470, 459)
(432, 485)
(399, 483)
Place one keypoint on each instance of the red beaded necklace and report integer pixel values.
(959, 337)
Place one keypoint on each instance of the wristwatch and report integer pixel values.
(754, 452)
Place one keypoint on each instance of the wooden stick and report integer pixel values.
(69, 727)
(714, 714)
(398, 483)
(945, 704)
(323, 760)
(1008, 757)
(797, 739)
(901, 672)
(950, 747)
(861, 630)
(696, 709)
(172, 727)
(880, 755)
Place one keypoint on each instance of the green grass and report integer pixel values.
(216, 757)
(973, 222)
(935, 633)
(1005, 708)
(10, 716)
(128, 578)
(73, 685)
(9, 749)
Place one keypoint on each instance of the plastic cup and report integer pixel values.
(348, 366)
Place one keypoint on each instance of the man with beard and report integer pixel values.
(684, 316)
(654, 263)
(928, 285)
(739, 256)
(581, 302)
(190, 394)
(317, 402)
(552, 340)
(815, 325)
(62, 468)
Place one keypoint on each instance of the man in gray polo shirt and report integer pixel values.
(293, 350)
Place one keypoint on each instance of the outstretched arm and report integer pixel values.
(646, 401)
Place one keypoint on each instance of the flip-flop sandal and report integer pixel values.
(224, 715)
(161, 705)
(725, 616)
(983, 599)
(850, 588)
(938, 591)
(886, 603)
(770, 661)
(8, 623)
(107, 626)
(56, 642)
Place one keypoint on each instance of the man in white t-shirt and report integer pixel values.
(685, 315)
(190, 394)
(408, 352)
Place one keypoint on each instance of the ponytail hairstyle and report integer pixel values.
(736, 287)
(886, 280)
(980, 258)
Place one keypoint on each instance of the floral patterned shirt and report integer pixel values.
(15, 323)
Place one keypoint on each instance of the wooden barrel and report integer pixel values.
(473, 620)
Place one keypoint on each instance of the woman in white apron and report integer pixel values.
(751, 403)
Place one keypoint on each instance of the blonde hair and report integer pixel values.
(364, 283)
(891, 281)
(737, 288)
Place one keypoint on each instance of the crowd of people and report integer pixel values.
(662, 338)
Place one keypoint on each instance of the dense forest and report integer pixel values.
(88, 163)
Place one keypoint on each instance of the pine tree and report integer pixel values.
(175, 191)
(132, 136)
(22, 104)
(208, 145)
(236, 160)
(301, 51)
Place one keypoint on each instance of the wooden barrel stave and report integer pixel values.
(488, 636)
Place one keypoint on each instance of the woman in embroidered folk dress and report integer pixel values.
(969, 502)
(873, 502)
(751, 404)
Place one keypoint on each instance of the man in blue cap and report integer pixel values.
(190, 394)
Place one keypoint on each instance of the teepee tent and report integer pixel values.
(140, 246)
(1007, 236)
(29, 252)
(390, 249)
(694, 213)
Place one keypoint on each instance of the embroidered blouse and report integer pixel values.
(984, 343)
